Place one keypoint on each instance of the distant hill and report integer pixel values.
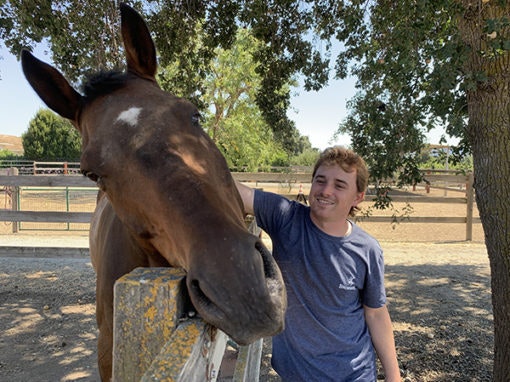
(11, 143)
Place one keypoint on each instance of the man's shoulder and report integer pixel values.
(364, 238)
(277, 212)
(265, 197)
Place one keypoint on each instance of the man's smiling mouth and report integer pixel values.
(324, 202)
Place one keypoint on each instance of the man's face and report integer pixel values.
(332, 195)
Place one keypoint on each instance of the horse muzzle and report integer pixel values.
(243, 294)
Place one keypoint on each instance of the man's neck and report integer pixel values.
(336, 228)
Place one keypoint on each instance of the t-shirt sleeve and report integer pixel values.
(271, 211)
(375, 293)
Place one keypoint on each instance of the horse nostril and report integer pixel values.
(267, 260)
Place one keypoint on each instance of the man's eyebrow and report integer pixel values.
(337, 180)
(340, 181)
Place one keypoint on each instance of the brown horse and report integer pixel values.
(166, 198)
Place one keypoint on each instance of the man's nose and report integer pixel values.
(327, 189)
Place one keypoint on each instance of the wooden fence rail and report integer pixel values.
(283, 183)
(12, 184)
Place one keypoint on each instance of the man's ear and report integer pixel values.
(359, 198)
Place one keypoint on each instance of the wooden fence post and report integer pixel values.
(147, 308)
(13, 171)
(469, 207)
(151, 343)
(248, 363)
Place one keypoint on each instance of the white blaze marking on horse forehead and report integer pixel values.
(130, 116)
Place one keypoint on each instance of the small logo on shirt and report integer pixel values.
(346, 287)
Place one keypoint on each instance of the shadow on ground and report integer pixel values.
(440, 307)
(47, 320)
(443, 322)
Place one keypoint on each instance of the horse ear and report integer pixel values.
(138, 44)
(51, 86)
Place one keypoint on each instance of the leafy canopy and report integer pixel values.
(413, 70)
(187, 34)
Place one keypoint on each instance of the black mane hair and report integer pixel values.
(102, 83)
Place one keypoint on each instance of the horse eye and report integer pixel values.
(195, 119)
(93, 177)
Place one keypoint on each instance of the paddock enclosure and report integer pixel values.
(65, 202)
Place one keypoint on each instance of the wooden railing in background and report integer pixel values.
(287, 184)
(12, 184)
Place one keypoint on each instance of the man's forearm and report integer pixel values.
(381, 331)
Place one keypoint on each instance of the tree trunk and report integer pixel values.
(489, 133)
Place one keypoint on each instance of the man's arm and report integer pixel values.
(247, 195)
(381, 331)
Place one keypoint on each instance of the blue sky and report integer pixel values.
(316, 114)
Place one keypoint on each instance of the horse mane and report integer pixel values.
(102, 83)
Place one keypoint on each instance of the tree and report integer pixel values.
(232, 117)
(443, 63)
(186, 32)
(77, 44)
(233, 120)
(51, 137)
(438, 157)
(6, 154)
(308, 157)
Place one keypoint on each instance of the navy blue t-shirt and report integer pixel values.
(328, 280)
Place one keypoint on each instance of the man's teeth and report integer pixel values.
(324, 201)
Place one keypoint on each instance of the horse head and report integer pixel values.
(169, 185)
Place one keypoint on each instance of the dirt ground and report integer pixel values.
(438, 288)
(438, 294)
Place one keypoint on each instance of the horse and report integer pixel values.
(166, 195)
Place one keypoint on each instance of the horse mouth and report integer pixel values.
(274, 283)
(202, 303)
(272, 279)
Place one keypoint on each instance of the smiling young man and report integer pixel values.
(336, 320)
